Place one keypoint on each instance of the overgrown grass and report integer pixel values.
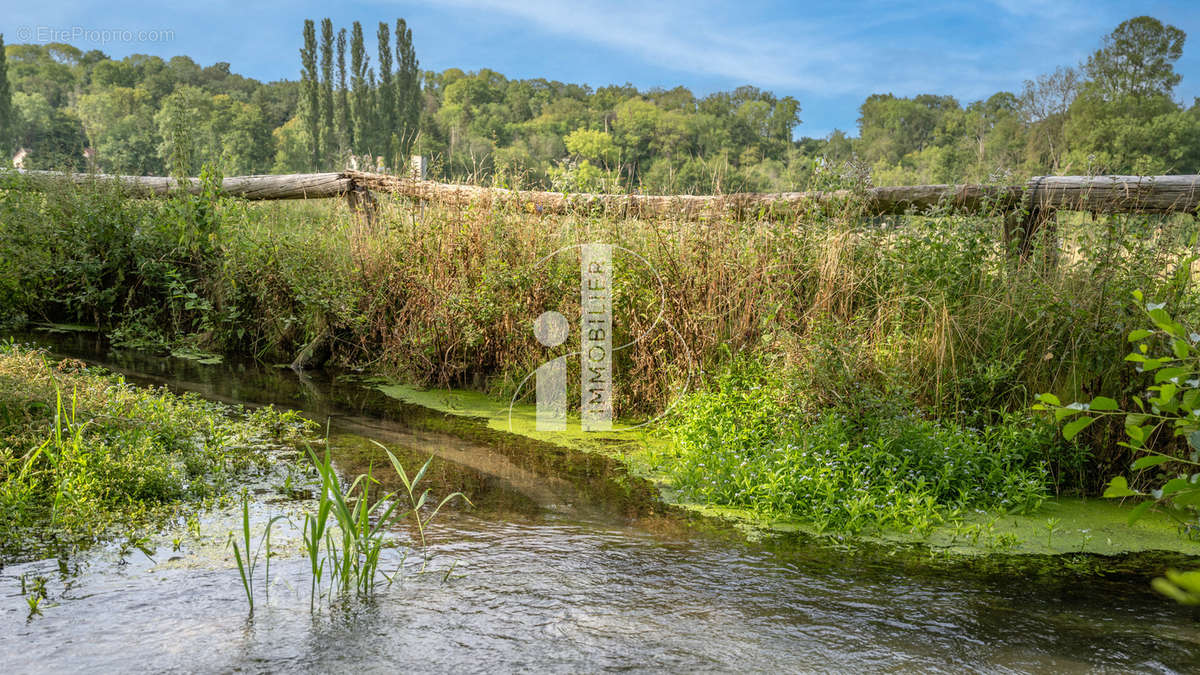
(929, 313)
(83, 454)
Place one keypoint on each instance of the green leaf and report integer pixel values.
(1181, 348)
(1149, 461)
(1159, 316)
(1189, 497)
(1061, 414)
(1103, 404)
(1170, 373)
(1153, 364)
(1141, 334)
(1049, 399)
(1117, 488)
(1190, 398)
(1072, 429)
(1194, 440)
(1137, 433)
(1135, 419)
(1174, 485)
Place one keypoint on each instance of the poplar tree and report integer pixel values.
(408, 89)
(359, 91)
(328, 137)
(386, 95)
(342, 111)
(6, 110)
(309, 96)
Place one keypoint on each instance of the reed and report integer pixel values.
(348, 531)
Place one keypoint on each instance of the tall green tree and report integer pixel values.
(386, 95)
(361, 103)
(329, 147)
(310, 105)
(1137, 59)
(342, 107)
(6, 108)
(120, 126)
(408, 89)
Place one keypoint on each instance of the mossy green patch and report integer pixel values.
(1063, 526)
(521, 419)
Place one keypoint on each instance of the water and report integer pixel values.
(565, 565)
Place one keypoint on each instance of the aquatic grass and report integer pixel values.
(345, 537)
(354, 558)
(246, 562)
(412, 488)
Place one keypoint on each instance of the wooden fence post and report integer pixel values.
(361, 201)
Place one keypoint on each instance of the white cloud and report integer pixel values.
(684, 36)
(837, 50)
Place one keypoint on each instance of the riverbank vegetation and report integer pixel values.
(83, 455)
(856, 374)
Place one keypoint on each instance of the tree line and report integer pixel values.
(66, 108)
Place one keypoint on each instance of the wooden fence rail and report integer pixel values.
(1044, 195)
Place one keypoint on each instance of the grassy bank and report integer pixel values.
(854, 374)
(85, 456)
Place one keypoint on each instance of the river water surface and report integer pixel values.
(565, 564)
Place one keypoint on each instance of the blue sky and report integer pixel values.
(828, 55)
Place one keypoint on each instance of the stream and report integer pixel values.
(563, 564)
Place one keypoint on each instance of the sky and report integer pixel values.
(828, 55)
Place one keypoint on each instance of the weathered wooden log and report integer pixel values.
(1111, 194)
(876, 201)
(1103, 194)
(290, 186)
(1117, 194)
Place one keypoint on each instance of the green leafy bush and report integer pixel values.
(874, 463)
(1162, 426)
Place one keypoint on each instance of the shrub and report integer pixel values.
(873, 463)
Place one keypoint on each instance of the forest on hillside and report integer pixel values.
(63, 108)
